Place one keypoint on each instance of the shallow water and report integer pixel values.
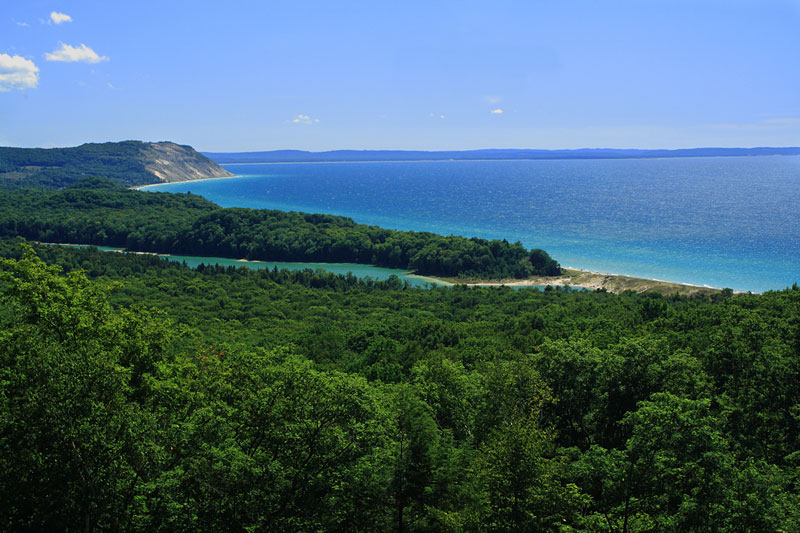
(359, 271)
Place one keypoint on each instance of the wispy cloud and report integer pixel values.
(783, 121)
(58, 18)
(16, 72)
(74, 54)
(766, 124)
(23, 24)
(497, 111)
(494, 99)
(304, 119)
(436, 115)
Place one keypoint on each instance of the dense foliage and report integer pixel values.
(53, 168)
(187, 224)
(143, 395)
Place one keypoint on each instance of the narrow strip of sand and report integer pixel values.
(586, 279)
(140, 187)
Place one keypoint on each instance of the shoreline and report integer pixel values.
(140, 187)
(585, 279)
(696, 284)
(572, 277)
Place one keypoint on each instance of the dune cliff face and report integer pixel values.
(170, 162)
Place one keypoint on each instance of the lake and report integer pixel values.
(716, 221)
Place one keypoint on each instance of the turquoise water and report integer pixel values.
(722, 222)
(359, 271)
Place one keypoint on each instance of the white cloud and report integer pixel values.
(304, 119)
(23, 24)
(767, 124)
(16, 72)
(58, 18)
(497, 111)
(73, 54)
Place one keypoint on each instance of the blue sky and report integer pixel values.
(262, 75)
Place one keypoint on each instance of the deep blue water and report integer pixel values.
(722, 222)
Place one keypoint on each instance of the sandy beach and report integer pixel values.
(140, 187)
(586, 279)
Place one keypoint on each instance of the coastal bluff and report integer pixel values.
(129, 163)
(170, 162)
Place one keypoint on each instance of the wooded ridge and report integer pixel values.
(99, 212)
(128, 163)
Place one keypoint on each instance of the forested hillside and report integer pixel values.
(128, 163)
(97, 212)
(137, 394)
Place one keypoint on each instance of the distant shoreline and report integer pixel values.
(258, 157)
(452, 160)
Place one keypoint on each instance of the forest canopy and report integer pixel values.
(96, 212)
(53, 168)
(138, 394)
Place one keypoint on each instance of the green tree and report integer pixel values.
(75, 448)
(414, 443)
(673, 474)
(262, 441)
